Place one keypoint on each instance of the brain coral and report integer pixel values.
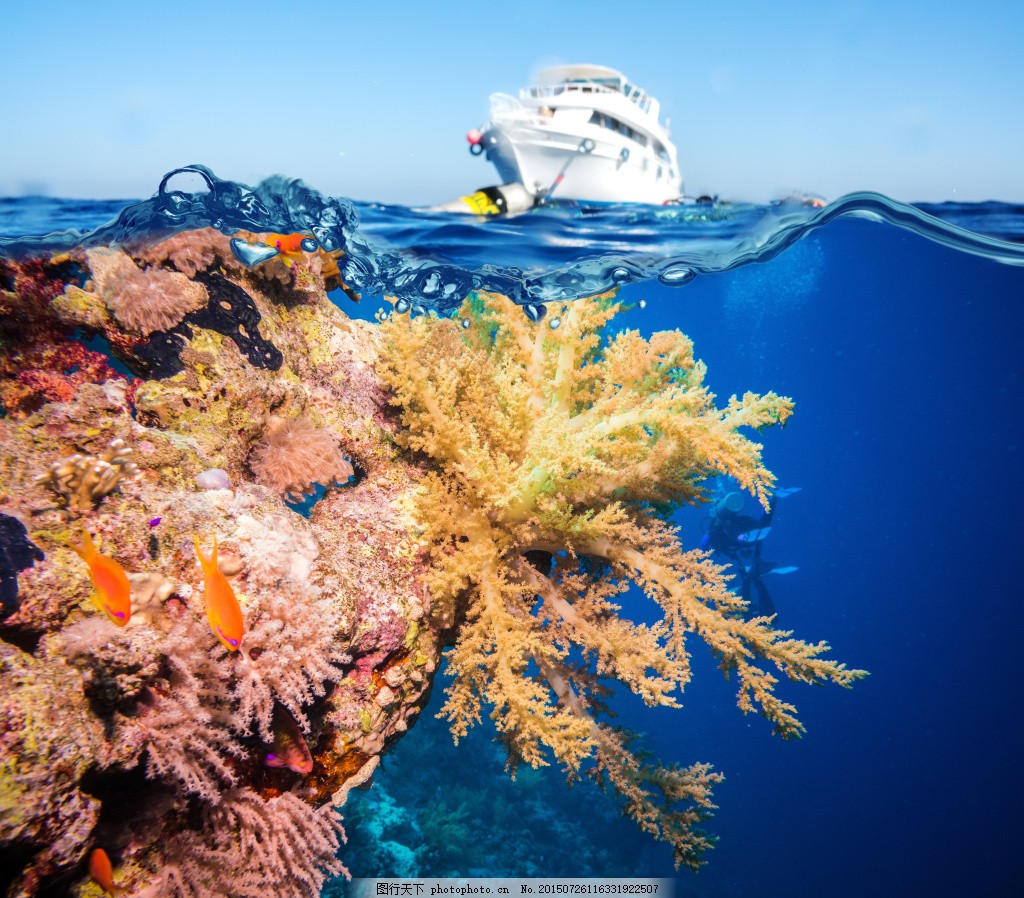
(294, 454)
(143, 300)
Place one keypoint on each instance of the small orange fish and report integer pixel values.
(289, 245)
(222, 608)
(101, 871)
(113, 592)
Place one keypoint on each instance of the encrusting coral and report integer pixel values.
(556, 451)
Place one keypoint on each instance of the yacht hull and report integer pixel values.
(555, 165)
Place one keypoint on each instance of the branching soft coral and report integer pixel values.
(553, 449)
(189, 718)
(249, 847)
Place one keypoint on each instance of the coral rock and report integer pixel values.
(48, 740)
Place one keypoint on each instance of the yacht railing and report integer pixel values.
(544, 91)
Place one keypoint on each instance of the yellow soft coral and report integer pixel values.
(554, 449)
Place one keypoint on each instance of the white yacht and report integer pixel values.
(582, 132)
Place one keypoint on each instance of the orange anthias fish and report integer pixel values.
(113, 592)
(290, 749)
(222, 608)
(101, 871)
(289, 245)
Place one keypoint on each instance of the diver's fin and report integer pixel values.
(788, 569)
(754, 536)
(786, 491)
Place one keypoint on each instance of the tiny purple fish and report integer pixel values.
(154, 522)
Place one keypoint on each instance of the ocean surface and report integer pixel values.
(899, 332)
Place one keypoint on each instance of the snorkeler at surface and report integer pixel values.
(740, 538)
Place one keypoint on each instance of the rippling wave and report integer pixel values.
(558, 252)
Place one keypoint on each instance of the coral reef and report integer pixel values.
(459, 817)
(557, 452)
(519, 487)
(166, 760)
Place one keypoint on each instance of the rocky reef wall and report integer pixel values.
(165, 399)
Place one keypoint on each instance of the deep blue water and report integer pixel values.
(905, 356)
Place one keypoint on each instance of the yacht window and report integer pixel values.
(613, 124)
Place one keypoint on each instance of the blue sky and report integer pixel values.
(922, 101)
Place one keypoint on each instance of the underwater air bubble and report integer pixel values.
(465, 324)
(325, 238)
(620, 275)
(402, 306)
(554, 323)
(418, 309)
(309, 245)
(534, 311)
(177, 203)
(252, 254)
(642, 303)
(677, 275)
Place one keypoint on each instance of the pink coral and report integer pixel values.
(251, 848)
(293, 455)
(187, 743)
(190, 252)
(143, 300)
(290, 655)
(183, 719)
(188, 720)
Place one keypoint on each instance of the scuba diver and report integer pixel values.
(740, 538)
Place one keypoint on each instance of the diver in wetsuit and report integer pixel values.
(740, 538)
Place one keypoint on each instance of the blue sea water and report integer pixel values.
(899, 331)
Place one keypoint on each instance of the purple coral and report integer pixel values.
(295, 454)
